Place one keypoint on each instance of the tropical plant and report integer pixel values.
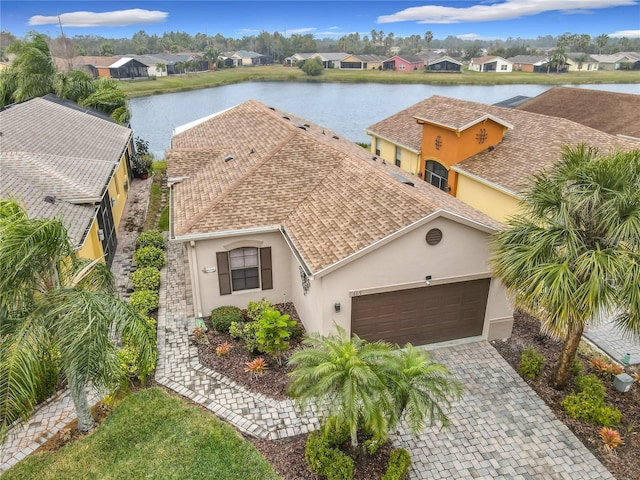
(109, 98)
(223, 349)
(149, 257)
(33, 68)
(610, 438)
(573, 255)
(146, 278)
(274, 332)
(588, 403)
(73, 85)
(52, 301)
(144, 301)
(256, 367)
(369, 386)
(531, 363)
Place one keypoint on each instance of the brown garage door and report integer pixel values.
(422, 315)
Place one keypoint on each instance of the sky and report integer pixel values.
(467, 19)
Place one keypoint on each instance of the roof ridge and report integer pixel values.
(233, 186)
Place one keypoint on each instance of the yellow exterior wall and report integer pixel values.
(409, 161)
(92, 247)
(118, 191)
(493, 202)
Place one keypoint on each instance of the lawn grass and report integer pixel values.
(151, 434)
(274, 73)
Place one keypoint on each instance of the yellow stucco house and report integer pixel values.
(481, 154)
(60, 160)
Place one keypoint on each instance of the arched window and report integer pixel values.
(436, 174)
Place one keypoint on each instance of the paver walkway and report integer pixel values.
(610, 340)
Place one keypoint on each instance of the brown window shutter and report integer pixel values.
(224, 277)
(265, 268)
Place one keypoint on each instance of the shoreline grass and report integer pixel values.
(278, 73)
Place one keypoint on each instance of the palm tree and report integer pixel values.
(52, 303)
(420, 388)
(342, 378)
(428, 38)
(110, 99)
(601, 42)
(355, 384)
(74, 85)
(33, 68)
(573, 255)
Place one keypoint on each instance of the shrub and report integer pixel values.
(150, 238)
(146, 278)
(399, 464)
(273, 332)
(149, 257)
(531, 362)
(295, 331)
(222, 317)
(200, 336)
(256, 367)
(144, 301)
(254, 309)
(249, 337)
(610, 438)
(576, 366)
(223, 349)
(236, 330)
(588, 403)
(327, 461)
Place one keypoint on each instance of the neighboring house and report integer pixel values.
(96, 66)
(60, 160)
(175, 63)
(610, 112)
(244, 58)
(634, 61)
(529, 63)
(128, 67)
(270, 205)
(490, 64)
(403, 63)
(482, 154)
(611, 62)
(581, 62)
(329, 60)
(362, 62)
(444, 64)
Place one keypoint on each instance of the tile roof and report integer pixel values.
(487, 59)
(328, 193)
(611, 112)
(528, 59)
(534, 142)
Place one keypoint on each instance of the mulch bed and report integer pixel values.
(285, 455)
(624, 462)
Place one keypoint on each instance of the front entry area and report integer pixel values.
(424, 315)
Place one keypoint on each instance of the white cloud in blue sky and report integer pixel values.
(507, 10)
(118, 18)
(626, 33)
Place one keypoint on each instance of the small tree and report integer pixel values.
(313, 67)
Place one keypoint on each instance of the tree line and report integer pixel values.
(279, 45)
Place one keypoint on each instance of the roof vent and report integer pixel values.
(336, 137)
(285, 117)
(491, 148)
(50, 199)
(301, 126)
(401, 179)
(252, 151)
(228, 158)
(384, 162)
(271, 108)
(305, 124)
(374, 158)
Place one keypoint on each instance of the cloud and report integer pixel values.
(118, 18)
(300, 31)
(332, 28)
(506, 10)
(475, 36)
(625, 33)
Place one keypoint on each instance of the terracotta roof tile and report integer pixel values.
(328, 193)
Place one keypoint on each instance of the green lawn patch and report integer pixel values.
(152, 435)
(279, 73)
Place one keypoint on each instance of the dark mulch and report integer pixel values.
(624, 463)
(285, 455)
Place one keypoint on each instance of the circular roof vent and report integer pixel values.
(434, 236)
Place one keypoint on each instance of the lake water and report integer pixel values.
(347, 109)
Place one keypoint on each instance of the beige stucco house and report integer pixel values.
(489, 63)
(270, 205)
(481, 154)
